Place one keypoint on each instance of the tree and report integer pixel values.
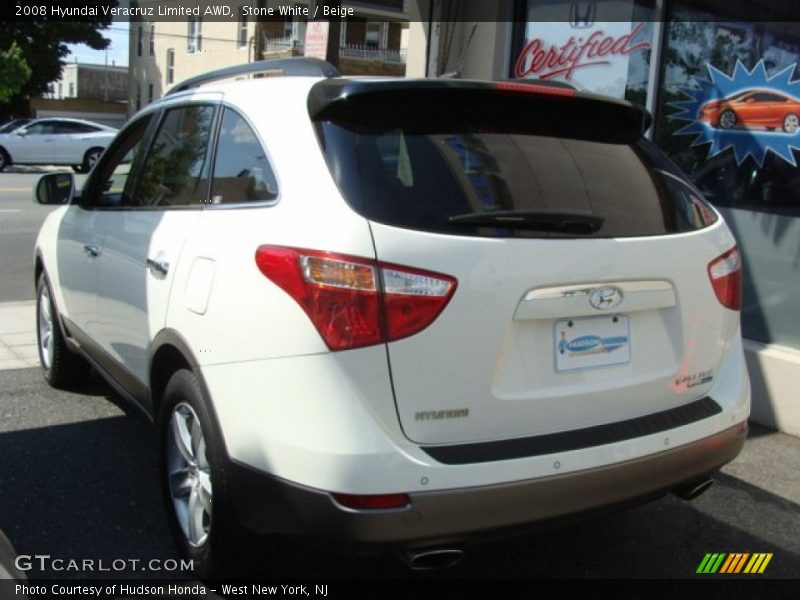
(44, 46)
(14, 72)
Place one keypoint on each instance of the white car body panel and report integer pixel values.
(278, 418)
(132, 298)
(507, 381)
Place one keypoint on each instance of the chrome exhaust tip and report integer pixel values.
(429, 560)
(692, 491)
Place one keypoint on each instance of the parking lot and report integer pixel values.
(77, 480)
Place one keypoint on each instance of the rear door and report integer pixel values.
(71, 140)
(144, 237)
(581, 258)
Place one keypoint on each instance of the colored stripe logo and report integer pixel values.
(734, 562)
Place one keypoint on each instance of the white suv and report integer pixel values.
(395, 313)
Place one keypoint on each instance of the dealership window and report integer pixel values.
(241, 41)
(149, 93)
(601, 47)
(152, 39)
(138, 97)
(729, 115)
(170, 66)
(139, 41)
(194, 39)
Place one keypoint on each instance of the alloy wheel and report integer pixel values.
(45, 328)
(189, 474)
(92, 158)
(727, 119)
(791, 123)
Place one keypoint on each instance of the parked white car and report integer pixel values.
(396, 313)
(56, 142)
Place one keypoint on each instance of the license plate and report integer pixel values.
(592, 342)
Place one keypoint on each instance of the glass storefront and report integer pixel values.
(726, 98)
(729, 115)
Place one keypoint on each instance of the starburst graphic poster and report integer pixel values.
(748, 112)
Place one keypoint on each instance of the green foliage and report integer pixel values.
(44, 45)
(14, 72)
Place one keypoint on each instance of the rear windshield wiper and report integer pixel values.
(577, 222)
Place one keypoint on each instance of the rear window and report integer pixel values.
(419, 176)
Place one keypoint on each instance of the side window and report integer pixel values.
(70, 127)
(241, 170)
(42, 128)
(113, 182)
(175, 171)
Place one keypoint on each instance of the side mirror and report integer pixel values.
(55, 188)
(21, 132)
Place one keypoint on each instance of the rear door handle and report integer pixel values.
(158, 266)
(91, 251)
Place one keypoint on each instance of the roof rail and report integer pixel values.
(299, 66)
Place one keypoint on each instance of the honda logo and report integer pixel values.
(582, 14)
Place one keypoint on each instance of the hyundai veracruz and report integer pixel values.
(397, 314)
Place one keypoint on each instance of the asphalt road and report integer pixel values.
(20, 219)
(77, 479)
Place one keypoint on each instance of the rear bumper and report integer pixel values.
(267, 504)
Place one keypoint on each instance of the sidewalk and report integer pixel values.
(18, 335)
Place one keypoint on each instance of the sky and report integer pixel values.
(117, 51)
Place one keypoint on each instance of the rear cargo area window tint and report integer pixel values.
(416, 179)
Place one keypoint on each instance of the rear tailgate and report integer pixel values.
(555, 325)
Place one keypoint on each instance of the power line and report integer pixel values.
(173, 35)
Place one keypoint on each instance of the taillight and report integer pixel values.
(726, 277)
(355, 302)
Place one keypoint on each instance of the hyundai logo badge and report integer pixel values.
(606, 298)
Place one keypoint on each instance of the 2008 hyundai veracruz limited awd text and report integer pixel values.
(397, 314)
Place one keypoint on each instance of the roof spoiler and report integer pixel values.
(369, 102)
(299, 66)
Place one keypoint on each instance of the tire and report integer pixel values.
(194, 483)
(91, 157)
(791, 123)
(5, 159)
(727, 120)
(61, 367)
